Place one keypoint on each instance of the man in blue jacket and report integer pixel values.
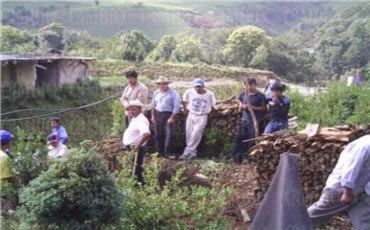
(278, 109)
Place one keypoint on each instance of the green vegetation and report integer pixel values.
(74, 193)
(339, 105)
(173, 206)
(85, 124)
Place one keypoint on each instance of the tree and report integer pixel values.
(80, 43)
(135, 46)
(74, 193)
(15, 41)
(164, 49)
(241, 45)
(188, 49)
(51, 37)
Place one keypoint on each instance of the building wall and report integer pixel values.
(5, 76)
(71, 70)
(26, 74)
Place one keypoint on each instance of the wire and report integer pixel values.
(64, 110)
(24, 110)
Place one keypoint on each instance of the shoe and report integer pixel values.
(184, 156)
(191, 156)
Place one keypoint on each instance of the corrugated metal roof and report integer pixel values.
(41, 57)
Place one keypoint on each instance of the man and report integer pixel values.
(57, 149)
(278, 110)
(59, 130)
(250, 100)
(199, 104)
(165, 105)
(136, 135)
(134, 90)
(358, 78)
(347, 188)
(5, 139)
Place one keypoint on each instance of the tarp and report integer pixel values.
(282, 207)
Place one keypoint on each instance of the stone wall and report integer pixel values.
(72, 71)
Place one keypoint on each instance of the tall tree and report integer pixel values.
(15, 41)
(135, 46)
(188, 49)
(51, 37)
(242, 45)
(164, 49)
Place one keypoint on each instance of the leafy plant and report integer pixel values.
(74, 193)
(173, 206)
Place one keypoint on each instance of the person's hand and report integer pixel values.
(244, 106)
(136, 148)
(347, 197)
(171, 120)
(275, 99)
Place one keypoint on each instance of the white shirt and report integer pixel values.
(199, 104)
(353, 167)
(57, 152)
(136, 129)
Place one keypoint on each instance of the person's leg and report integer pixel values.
(242, 134)
(359, 213)
(188, 132)
(159, 132)
(139, 165)
(199, 123)
(326, 207)
(269, 128)
(168, 135)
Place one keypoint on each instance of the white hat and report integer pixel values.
(162, 79)
(135, 103)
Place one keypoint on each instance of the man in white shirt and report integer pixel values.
(347, 188)
(137, 134)
(57, 150)
(199, 101)
(134, 90)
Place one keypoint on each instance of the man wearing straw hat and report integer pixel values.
(165, 105)
(136, 135)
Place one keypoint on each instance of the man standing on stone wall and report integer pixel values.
(199, 102)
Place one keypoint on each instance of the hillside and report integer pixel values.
(105, 18)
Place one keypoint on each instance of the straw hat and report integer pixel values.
(135, 103)
(162, 79)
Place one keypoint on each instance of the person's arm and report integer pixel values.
(123, 98)
(176, 107)
(351, 172)
(144, 138)
(153, 104)
(143, 94)
(185, 100)
(63, 135)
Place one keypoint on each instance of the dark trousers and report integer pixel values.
(245, 131)
(138, 170)
(163, 132)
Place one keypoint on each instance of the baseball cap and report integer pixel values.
(198, 82)
(5, 136)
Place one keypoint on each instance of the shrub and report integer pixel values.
(74, 193)
(28, 157)
(173, 206)
(118, 115)
(340, 104)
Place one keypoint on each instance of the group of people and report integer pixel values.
(197, 103)
(56, 141)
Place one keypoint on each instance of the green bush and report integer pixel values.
(340, 104)
(74, 193)
(173, 206)
(118, 115)
(28, 157)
